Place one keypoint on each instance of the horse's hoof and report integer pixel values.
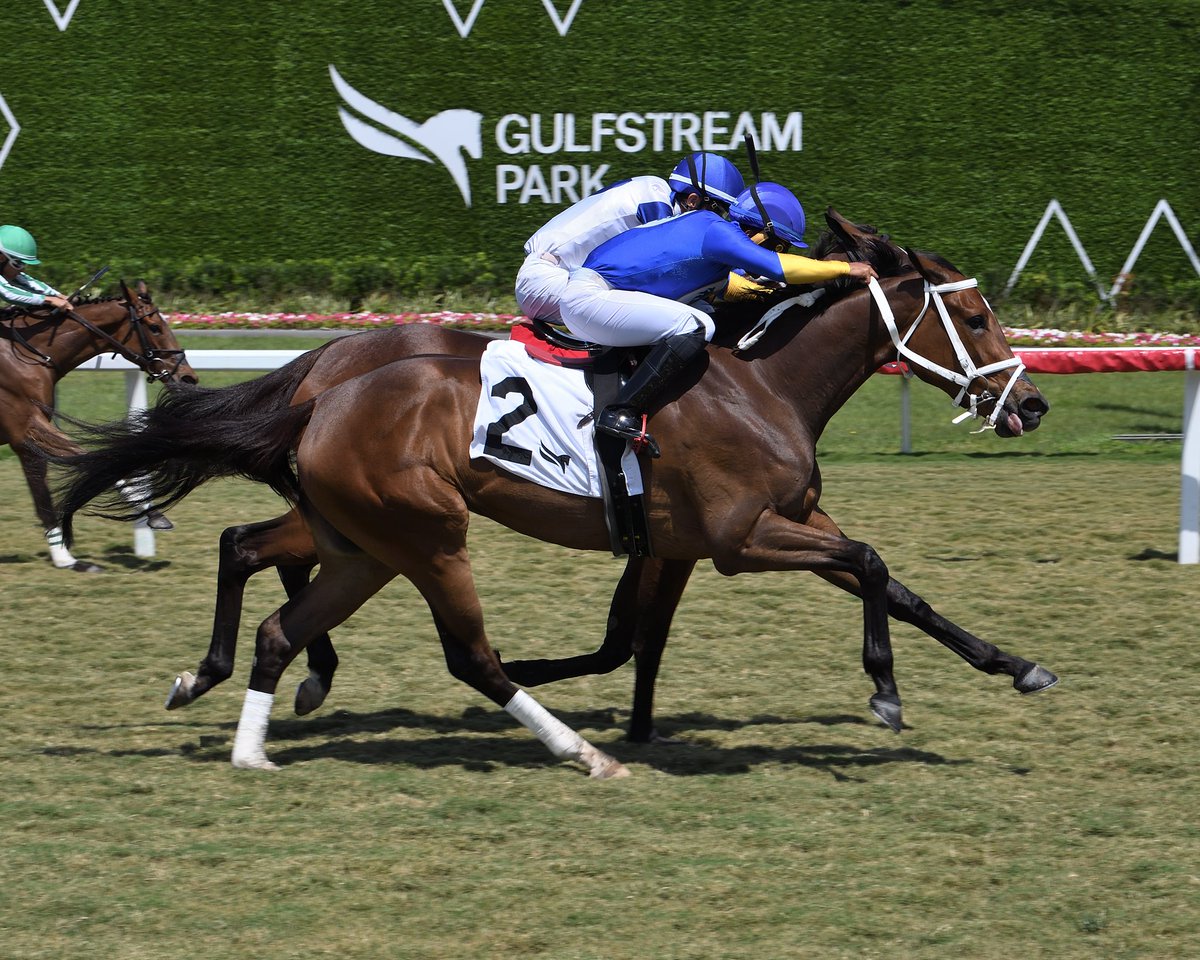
(655, 739)
(257, 761)
(1034, 679)
(181, 691)
(310, 694)
(888, 712)
(84, 566)
(600, 765)
(608, 769)
(156, 521)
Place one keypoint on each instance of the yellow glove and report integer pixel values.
(741, 288)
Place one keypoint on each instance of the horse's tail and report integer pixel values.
(191, 435)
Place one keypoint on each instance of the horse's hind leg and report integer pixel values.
(342, 586)
(245, 550)
(423, 536)
(908, 607)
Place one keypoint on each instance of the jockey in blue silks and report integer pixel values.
(699, 181)
(638, 287)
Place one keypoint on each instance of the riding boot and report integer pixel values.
(624, 417)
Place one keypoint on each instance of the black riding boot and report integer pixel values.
(623, 418)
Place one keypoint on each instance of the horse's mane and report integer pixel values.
(888, 259)
(87, 300)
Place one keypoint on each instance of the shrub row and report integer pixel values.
(264, 283)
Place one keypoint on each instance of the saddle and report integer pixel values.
(605, 368)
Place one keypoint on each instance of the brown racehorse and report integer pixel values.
(391, 493)
(38, 347)
(646, 597)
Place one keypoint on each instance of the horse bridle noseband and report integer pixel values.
(970, 373)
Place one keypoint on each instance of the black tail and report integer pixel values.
(191, 435)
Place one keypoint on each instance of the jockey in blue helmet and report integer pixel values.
(710, 178)
(771, 215)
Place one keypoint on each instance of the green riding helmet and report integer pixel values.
(18, 243)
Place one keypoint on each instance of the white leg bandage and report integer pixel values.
(563, 742)
(134, 491)
(60, 556)
(251, 734)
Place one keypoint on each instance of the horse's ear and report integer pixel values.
(125, 290)
(925, 266)
(143, 290)
(855, 240)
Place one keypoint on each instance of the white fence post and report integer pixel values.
(1189, 486)
(135, 395)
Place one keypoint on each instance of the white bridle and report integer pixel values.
(970, 372)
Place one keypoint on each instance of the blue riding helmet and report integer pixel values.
(784, 210)
(714, 175)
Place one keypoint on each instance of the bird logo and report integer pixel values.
(446, 138)
(562, 459)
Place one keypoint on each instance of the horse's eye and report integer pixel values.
(977, 322)
(155, 328)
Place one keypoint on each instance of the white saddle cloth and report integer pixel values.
(527, 423)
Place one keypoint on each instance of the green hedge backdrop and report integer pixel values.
(205, 138)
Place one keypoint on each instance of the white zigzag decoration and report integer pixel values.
(464, 27)
(12, 133)
(62, 19)
(561, 23)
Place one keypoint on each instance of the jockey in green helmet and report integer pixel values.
(17, 249)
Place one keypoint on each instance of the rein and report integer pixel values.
(144, 361)
(970, 373)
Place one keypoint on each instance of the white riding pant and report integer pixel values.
(541, 283)
(594, 311)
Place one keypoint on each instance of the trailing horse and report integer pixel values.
(39, 347)
(391, 493)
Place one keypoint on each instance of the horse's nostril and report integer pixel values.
(1035, 406)
(190, 381)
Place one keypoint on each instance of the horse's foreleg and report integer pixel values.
(134, 491)
(660, 589)
(614, 651)
(245, 550)
(639, 621)
(776, 543)
(34, 468)
(908, 607)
